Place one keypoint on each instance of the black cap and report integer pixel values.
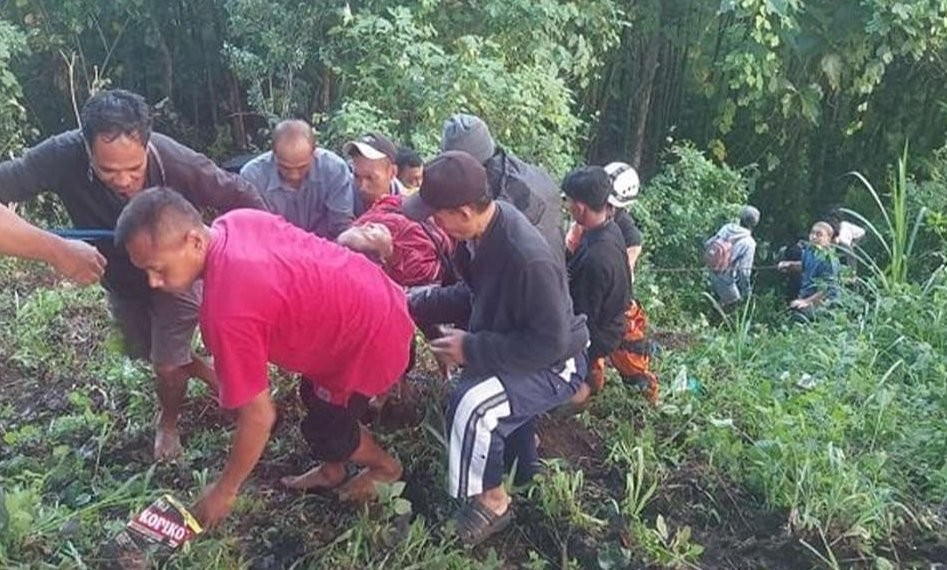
(372, 146)
(590, 185)
(452, 179)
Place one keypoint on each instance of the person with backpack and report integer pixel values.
(729, 256)
(529, 188)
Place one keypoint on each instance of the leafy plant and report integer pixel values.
(898, 236)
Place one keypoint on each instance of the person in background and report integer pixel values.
(376, 175)
(599, 276)
(95, 170)
(275, 293)
(310, 187)
(819, 268)
(847, 235)
(523, 350)
(734, 252)
(529, 188)
(410, 170)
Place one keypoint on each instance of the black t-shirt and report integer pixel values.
(600, 283)
(629, 229)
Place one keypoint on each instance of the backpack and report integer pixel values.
(717, 254)
(632, 358)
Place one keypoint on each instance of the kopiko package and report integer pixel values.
(159, 529)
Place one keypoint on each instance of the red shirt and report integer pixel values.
(275, 293)
(414, 257)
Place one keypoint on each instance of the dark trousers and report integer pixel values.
(485, 416)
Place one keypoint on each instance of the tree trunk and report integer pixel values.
(643, 101)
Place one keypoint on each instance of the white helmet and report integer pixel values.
(625, 184)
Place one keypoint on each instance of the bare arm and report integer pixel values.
(633, 253)
(813, 300)
(74, 260)
(790, 266)
(254, 422)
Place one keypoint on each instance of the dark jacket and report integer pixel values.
(60, 165)
(533, 192)
(516, 298)
(599, 282)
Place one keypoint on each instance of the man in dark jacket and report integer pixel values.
(523, 352)
(95, 171)
(599, 277)
(527, 187)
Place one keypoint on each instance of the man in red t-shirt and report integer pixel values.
(275, 293)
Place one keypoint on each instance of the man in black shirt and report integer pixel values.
(599, 280)
(523, 352)
(95, 171)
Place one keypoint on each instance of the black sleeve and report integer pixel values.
(544, 334)
(589, 291)
(439, 305)
(629, 229)
(37, 170)
(203, 183)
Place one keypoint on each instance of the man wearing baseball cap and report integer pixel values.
(523, 352)
(376, 173)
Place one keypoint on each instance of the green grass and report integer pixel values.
(832, 437)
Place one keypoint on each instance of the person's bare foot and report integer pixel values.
(361, 488)
(325, 476)
(167, 443)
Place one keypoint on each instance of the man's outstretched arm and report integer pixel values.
(74, 260)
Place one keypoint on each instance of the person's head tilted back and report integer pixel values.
(165, 237)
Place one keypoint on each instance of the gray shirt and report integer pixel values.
(322, 204)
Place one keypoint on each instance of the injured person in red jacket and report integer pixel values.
(411, 253)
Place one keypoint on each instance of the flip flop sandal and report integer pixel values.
(476, 523)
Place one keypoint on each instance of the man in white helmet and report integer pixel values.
(625, 186)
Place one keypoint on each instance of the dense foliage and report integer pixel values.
(773, 442)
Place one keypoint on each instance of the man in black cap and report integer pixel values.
(526, 186)
(523, 352)
(376, 173)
